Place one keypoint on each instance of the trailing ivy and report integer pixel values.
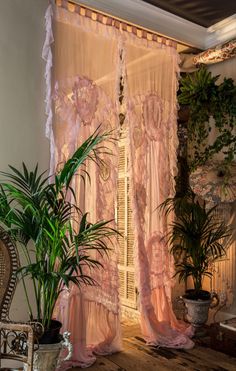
(206, 98)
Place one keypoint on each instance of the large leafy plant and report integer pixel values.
(56, 238)
(206, 98)
(197, 237)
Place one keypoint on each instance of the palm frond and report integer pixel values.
(197, 236)
(81, 154)
(67, 247)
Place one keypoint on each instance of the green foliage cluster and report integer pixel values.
(197, 237)
(206, 98)
(42, 216)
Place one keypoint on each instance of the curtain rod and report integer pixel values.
(116, 22)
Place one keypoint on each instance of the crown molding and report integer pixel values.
(221, 32)
(165, 23)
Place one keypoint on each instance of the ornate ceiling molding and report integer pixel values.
(221, 32)
(165, 23)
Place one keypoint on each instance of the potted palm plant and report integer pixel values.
(197, 238)
(55, 237)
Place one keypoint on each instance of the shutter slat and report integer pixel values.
(124, 224)
(121, 242)
(130, 234)
(130, 286)
(122, 284)
(121, 167)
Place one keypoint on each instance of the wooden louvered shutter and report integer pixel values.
(124, 222)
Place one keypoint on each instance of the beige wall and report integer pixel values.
(225, 69)
(22, 88)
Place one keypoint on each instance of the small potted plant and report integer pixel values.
(197, 238)
(42, 216)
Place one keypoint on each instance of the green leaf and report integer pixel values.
(46, 222)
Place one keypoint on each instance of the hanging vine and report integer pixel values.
(207, 99)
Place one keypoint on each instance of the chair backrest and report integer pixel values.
(16, 339)
(9, 263)
(17, 343)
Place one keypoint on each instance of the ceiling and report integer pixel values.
(202, 12)
(200, 24)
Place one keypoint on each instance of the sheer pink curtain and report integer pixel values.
(85, 93)
(151, 85)
(85, 96)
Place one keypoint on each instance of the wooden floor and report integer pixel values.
(136, 356)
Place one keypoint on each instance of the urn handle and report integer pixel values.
(180, 303)
(65, 345)
(214, 300)
(179, 300)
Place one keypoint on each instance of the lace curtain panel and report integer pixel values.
(84, 63)
(151, 85)
(84, 95)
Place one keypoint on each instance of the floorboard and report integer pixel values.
(137, 356)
